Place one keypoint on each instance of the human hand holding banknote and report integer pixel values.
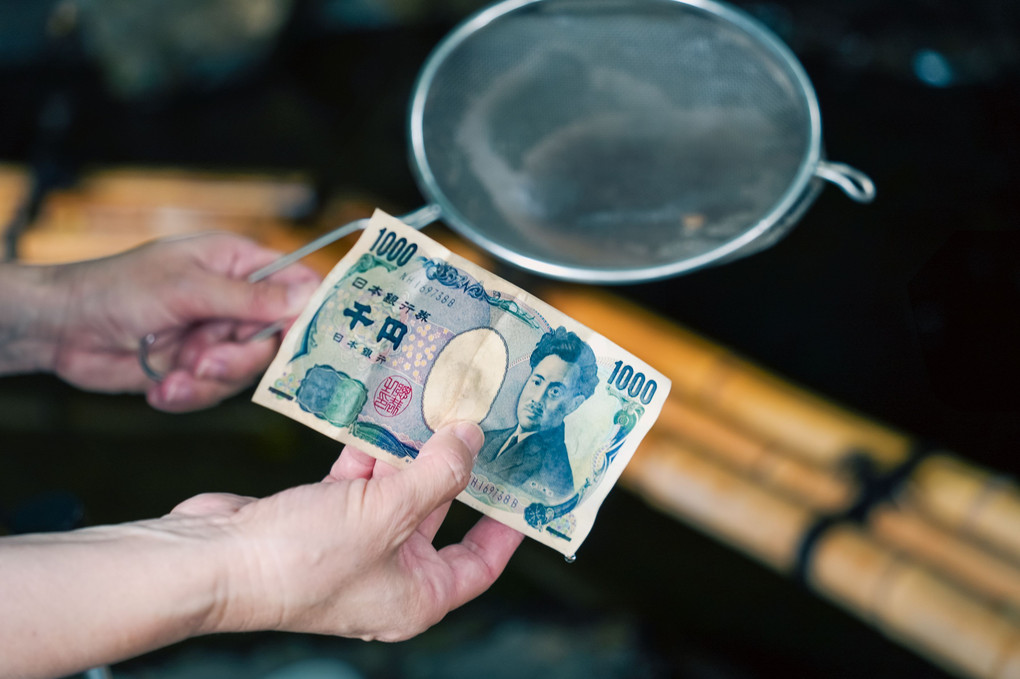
(350, 555)
(404, 336)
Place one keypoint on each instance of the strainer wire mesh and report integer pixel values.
(613, 139)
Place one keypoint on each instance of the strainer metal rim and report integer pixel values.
(431, 189)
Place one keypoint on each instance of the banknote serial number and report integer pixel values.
(439, 295)
(632, 383)
(393, 249)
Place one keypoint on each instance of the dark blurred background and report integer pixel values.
(905, 310)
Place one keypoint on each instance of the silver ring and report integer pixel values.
(147, 342)
(143, 358)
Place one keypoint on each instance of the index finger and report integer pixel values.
(477, 560)
(352, 464)
(294, 273)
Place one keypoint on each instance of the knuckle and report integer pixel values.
(457, 471)
(265, 296)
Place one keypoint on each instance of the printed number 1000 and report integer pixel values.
(394, 249)
(632, 383)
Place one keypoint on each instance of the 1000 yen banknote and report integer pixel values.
(403, 336)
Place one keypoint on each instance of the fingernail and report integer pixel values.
(470, 434)
(297, 297)
(177, 391)
(210, 368)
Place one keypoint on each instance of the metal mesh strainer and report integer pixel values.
(616, 141)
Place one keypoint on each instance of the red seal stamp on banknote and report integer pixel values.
(392, 396)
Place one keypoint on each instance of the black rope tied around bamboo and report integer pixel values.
(875, 487)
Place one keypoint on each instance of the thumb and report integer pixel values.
(264, 301)
(211, 504)
(441, 471)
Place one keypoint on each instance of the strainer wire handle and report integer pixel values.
(855, 184)
(418, 219)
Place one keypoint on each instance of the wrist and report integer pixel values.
(249, 593)
(191, 563)
(33, 303)
(231, 583)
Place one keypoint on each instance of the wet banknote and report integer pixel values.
(403, 336)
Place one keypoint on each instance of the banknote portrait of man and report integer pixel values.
(533, 454)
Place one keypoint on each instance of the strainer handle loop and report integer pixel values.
(855, 184)
(418, 219)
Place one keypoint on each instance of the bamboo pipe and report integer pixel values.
(718, 381)
(907, 602)
(984, 573)
(817, 488)
(970, 501)
(112, 210)
(901, 527)
(721, 502)
(915, 606)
